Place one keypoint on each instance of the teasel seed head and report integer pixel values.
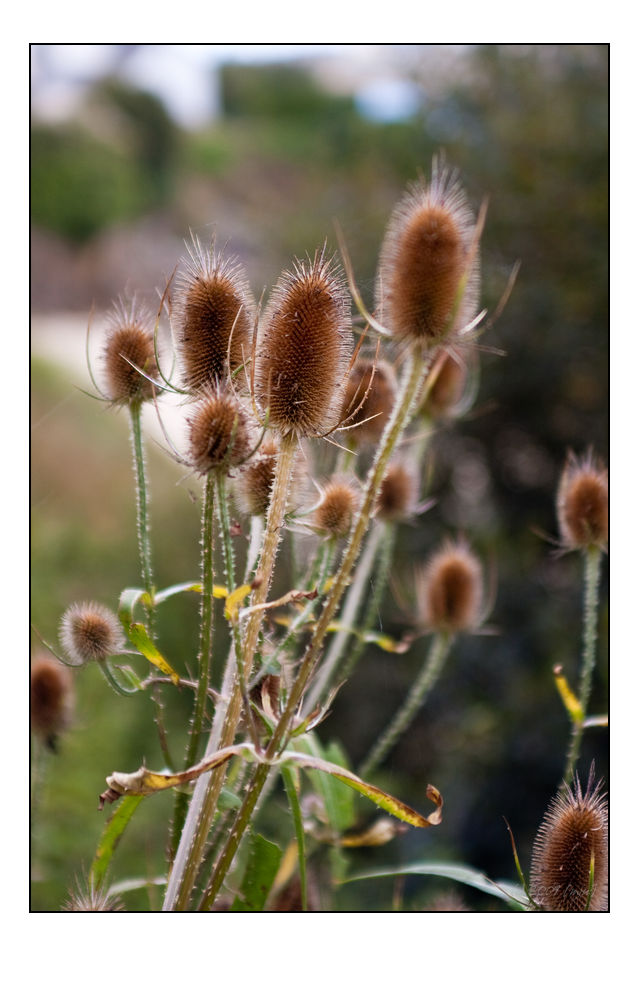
(447, 390)
(428, 280)
(304, 349)
(253, 484)
(334, 514)
(88, 898)
(582, 503)
(450, 589)
(572, 843)
(129, 338)
(51, 698)
(220, 433)
(369, 399)
(215, 315)
(90, 631)
(397, 498)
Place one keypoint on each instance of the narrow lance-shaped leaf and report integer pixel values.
(509, 892)
(110, 839)
(263, 865)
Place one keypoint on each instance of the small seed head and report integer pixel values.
(447, 390)
(89, 898)
(582, 503)
(450, 589)
(253, 484)
(90, 632)
(129, 339)
(304, 348)
(398, 493)
(369, 399)
(219, 432)
(51, 698)
(572, 836)
(334, 514)
(215, 315)
(428, 285)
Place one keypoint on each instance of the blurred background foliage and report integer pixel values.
(115, 190)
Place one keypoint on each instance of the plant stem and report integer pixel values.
(206, 645)
(592, 570)
(409, 393)
(142, 509)
(288, 776)
(414, 700)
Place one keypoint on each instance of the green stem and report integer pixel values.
(592, 570)
(409, 393)
(142, 501)
(414, 700)
(206, 646)
(293, 800)
(112, 680)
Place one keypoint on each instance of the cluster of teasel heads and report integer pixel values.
(253, 381)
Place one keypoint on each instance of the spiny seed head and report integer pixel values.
(219, 432)
(398, 493)
(89, 898)
(304, 348)
(447, 389)
(215, 314)
(90, 631)
(571, 839)
(449, 589)
(428, 281)
(129, 339)
(51, 698)
(582, 503)
(335, 512)
(253, 484)
(369, 399)
(447, 902)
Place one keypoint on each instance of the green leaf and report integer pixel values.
(263, 865)
(458, 873)
(338, 798)
(111, 837)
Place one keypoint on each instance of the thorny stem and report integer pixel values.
(414, 700)
(409, 393)
(190, 854)
(592, 570)
(206, 645)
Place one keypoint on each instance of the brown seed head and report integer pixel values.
(335, 512)
(398, 493)
(51, 697)
(573, 834)
(219, 432)
(253, 484)
(215, 315)
(304, 348)
(424, 261)
(129, 339)
(582, 503)
(88, 898)
(447, 390)
(450, 589)
(370, 397)
(90, 632)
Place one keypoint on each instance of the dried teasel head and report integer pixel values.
(450, 590)
(334, 513)
(582, 503)
(215, 315)
(253, 484)
(369, 399)
(445, 395)
(89, 898)
(51, 699)
(569, 870)
(220, 432)
(397, 498)
(428, 281)
(129, 346)
(303, 349)
(89, 631)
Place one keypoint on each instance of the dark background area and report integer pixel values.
(116, 188)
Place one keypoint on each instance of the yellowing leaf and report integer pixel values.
(567, 695)
(140, 639)
(233, 601)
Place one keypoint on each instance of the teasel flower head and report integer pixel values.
(569, 870)
(450, 590)
(428, 280)
(129, 359)
(369, 400)
(215, 317)
(51, 699)
(334, 513)
(253, 484)
(89, 898)
(397, 499)
(89, 631)
(303, 349)
(220, 432)
(451, 385)
(582, 503)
